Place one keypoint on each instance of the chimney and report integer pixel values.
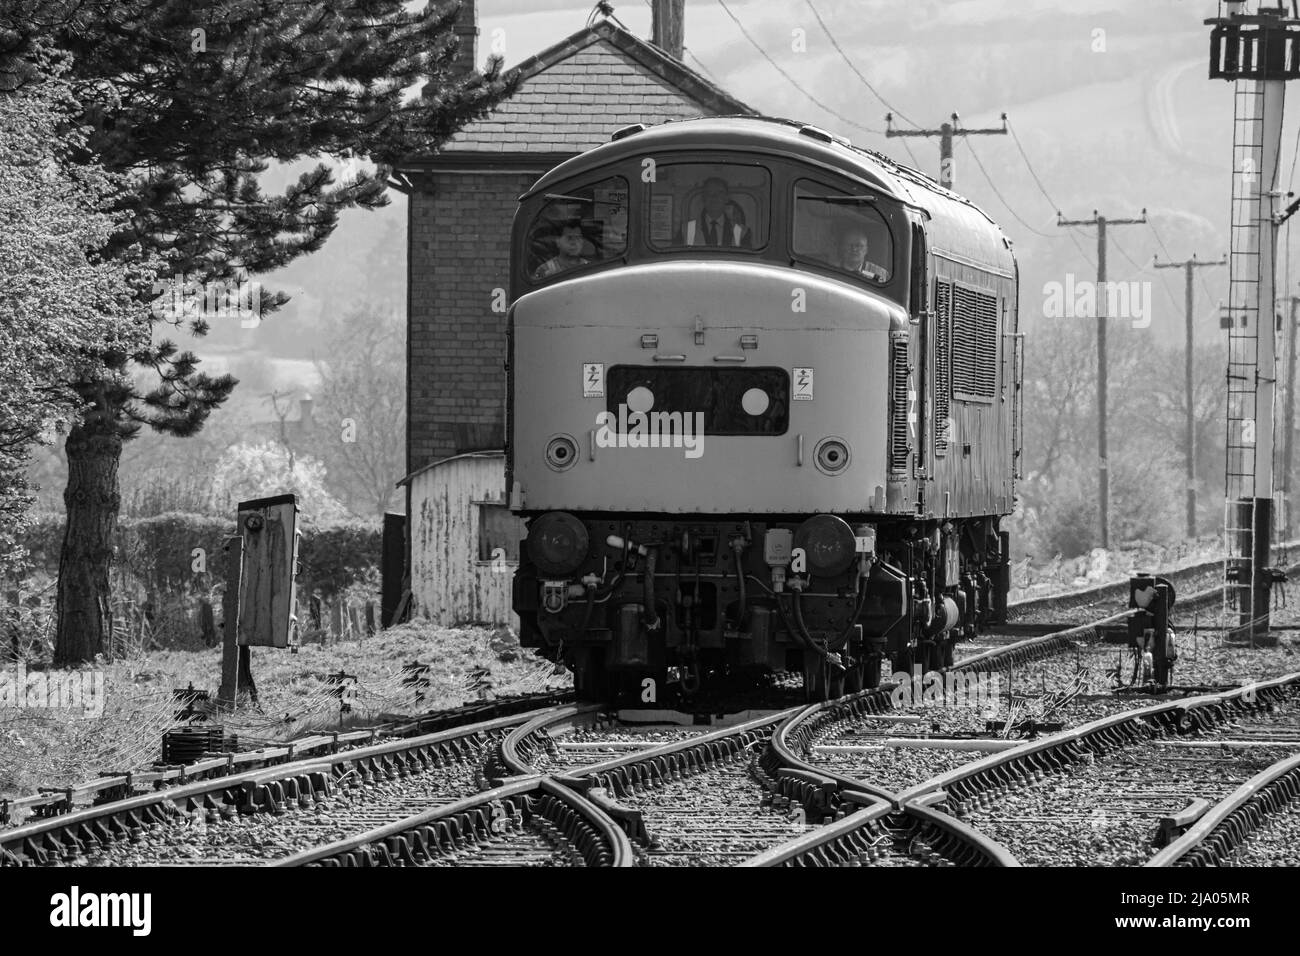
(467, 33)
(667, 26)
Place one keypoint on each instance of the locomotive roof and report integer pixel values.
(968, 229)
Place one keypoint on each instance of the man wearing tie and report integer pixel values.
(714, 227)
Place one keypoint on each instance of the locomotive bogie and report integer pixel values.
(686, 602)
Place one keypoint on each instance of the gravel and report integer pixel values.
(1277, 844)
(718, 818)
(1106, 812)
(535, 844)
(575, 751)
(257, 838)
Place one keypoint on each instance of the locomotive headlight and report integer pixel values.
(755, 401)
(832, 455)
(557, 542)
(561, 452)
(640, 399)
(828, 544)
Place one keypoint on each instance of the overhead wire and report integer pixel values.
(700, 63)
(853, 66)
(998, 192)
(790, 79)
(1133, 262)
(1030, 166)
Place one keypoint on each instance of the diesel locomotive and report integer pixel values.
(763, 412)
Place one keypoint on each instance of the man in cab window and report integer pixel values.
(714, 226)
(568, 251)
(854, 250)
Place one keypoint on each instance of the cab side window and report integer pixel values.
(842, 230)
(577, 227)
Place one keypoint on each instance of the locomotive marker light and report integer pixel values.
(561, 452)
(832, 455)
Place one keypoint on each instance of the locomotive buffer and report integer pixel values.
(1259, 52)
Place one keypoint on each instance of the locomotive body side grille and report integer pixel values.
(942, 366)
(974, 344)
(899, 374)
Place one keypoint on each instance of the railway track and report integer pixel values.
(1111, 784)
(1201, 579)
(1258, 824)
(698, 798)
(532, 821)
(1094, 779)
(850, 781)
(268, 813)
(53, 803)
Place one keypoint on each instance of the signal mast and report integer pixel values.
(1259, 53)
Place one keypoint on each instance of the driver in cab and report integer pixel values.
(714, 227)
(854, 250)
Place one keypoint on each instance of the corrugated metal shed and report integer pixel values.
(464, 542)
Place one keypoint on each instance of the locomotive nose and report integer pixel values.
(690, 386)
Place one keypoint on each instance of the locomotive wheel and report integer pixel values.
(854, 678)
(590, 678)
(871, 672)
(903, 660)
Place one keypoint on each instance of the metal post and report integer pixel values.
(1189, 422)
(1274, 98)
(1288, 416)
(1261, 536)
(1103, 474)
(228, 693)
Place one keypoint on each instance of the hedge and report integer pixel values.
(160, 552)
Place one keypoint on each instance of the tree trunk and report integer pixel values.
(85, 618)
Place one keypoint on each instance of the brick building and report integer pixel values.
(462, 201)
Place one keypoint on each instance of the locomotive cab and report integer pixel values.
(735, 427)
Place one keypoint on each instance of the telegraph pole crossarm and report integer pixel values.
(945, 132)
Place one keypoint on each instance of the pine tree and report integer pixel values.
(60, 307)
(194, 99)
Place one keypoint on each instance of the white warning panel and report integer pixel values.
(802, 384)
(593, 380)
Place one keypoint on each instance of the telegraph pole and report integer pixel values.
(1103, 476)
(1189, 438)
(945, 132)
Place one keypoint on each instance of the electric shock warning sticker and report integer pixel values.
(802, 386)
(593, 380)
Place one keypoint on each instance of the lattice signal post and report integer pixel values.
(1259, 52)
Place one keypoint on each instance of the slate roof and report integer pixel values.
(582, 89)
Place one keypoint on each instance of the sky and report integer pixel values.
(1109, 101)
